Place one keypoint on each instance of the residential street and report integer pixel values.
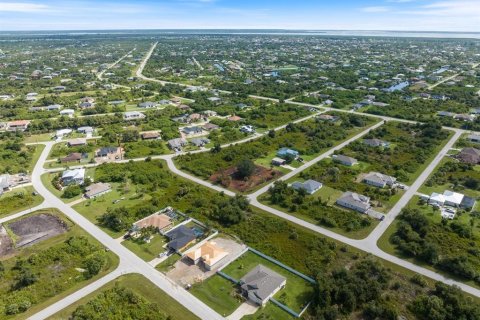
(130, 263)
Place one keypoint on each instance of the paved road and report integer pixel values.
(314, 161)
(129, 262)
(100, 74)
(412, 190)
(74, 297)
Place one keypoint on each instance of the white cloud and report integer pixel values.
(375, 9)
(465, 8)
(21, 7)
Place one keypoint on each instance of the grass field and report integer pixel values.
(141, 286)
(19, 199)
(219, 294)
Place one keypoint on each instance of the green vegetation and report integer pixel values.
(16, 157)
(218, 293)
(146, 251)
(48, 270)
(411, 148)
(18, 200)
(308, 137)
(345, 178)
(131, 296)
(319, 209)
(455, 176)
(449, 246)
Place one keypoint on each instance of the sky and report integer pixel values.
(404, 15)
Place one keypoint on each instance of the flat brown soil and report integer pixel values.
(228, 178)
(34, 229)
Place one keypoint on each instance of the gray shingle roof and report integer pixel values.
(261, 281)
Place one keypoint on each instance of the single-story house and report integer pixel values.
(379, 180)
(19, 125)
(190, 131)
(180, 238)
(278, 161)
(234, 118)
(327, 117)
(286, 153)
(376, 143)
(63, 132)
(97, 189)
(106, 151)
(133, 115)
(85, 130)
(448, 198)
(147, 105)
(177, 144)
(247, 129)
(161, 222)
(260, 284)
(347, 161)
(474, 138)
(354, 201)
(67, 112)
(75, 176)
(209, 254)
(77, 142)
(150, 135)
(199, 142)
(310, 186)
(469, 155)
(210, 127)
(75, 156)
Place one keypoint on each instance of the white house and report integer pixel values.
(133, 115)
(75, 176)
(354, 201)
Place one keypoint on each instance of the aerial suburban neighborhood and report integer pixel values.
(239, 175)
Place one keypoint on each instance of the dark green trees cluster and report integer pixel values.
(418, 237)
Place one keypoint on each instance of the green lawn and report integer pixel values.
(18, 199)
(44, 137)
(166, 265)
(47, 182)
(270, 312)
(50, 283)
(146, 251)
(141, 286)
(219, 294)
(297, 292)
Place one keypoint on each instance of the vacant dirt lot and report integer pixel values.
(185, 272)
(229, 179)
(37, 228)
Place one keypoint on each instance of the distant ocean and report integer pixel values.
(346, 33)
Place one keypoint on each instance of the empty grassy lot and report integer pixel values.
(141, 286)
(18, 199)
